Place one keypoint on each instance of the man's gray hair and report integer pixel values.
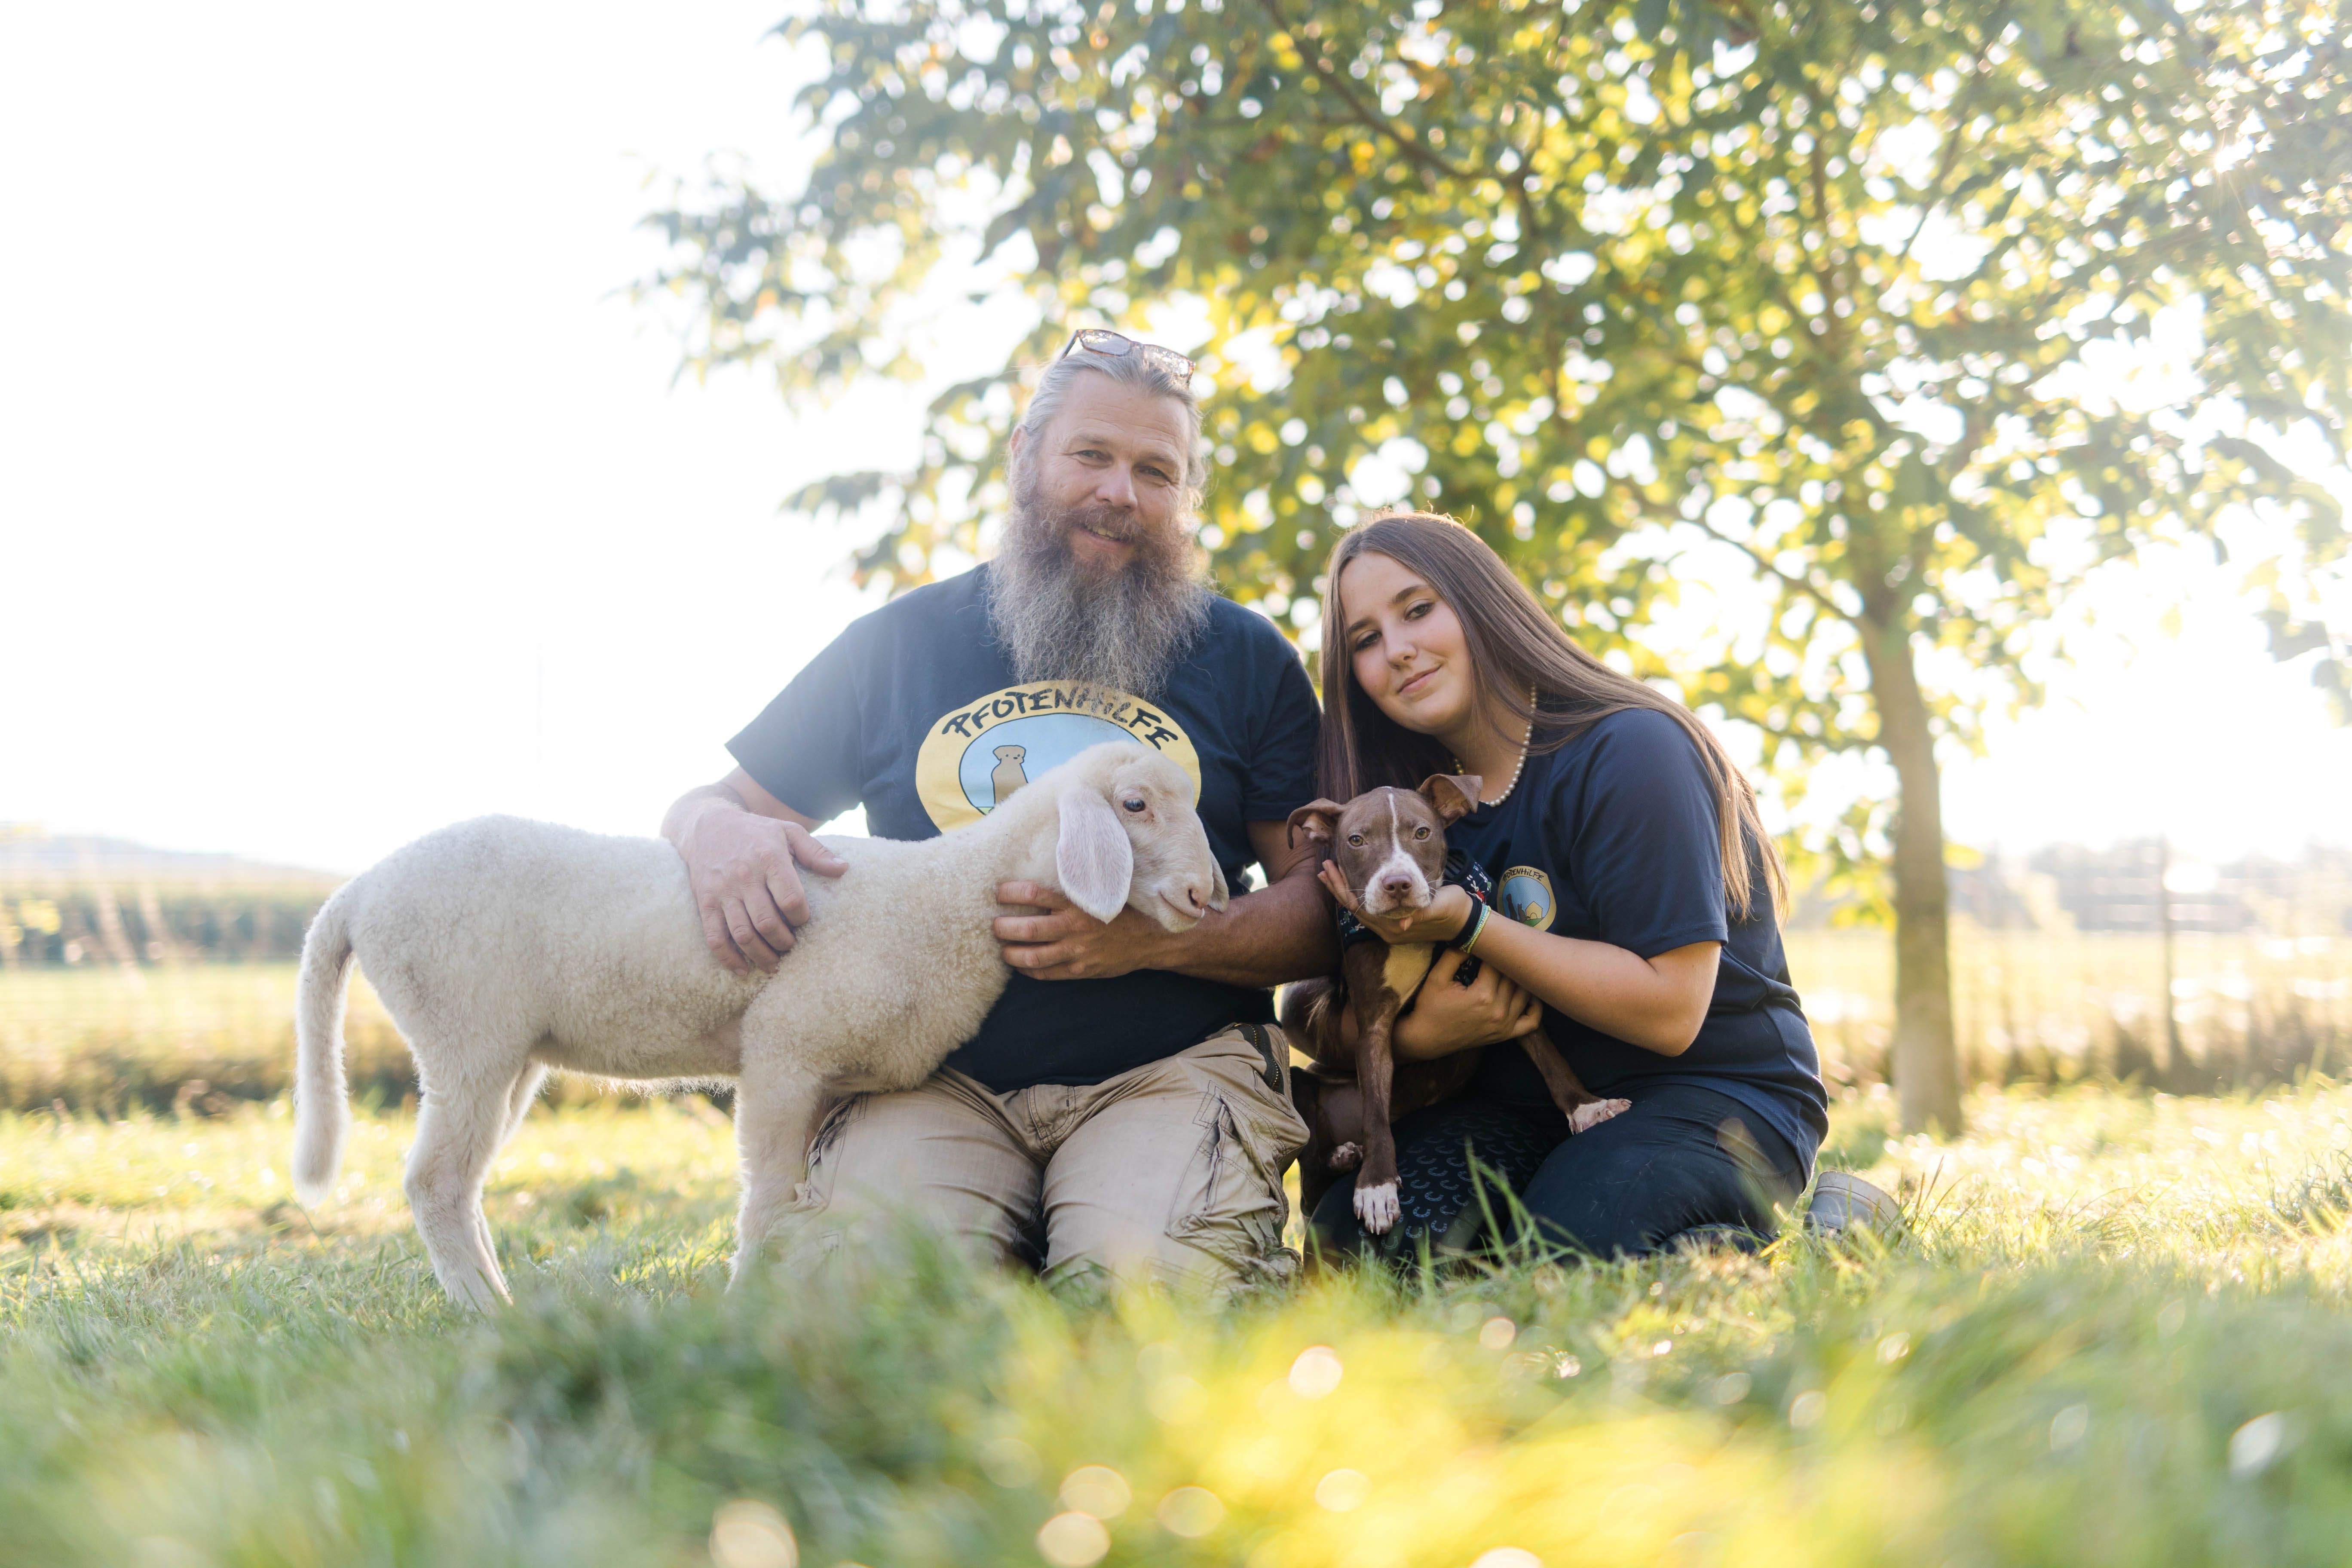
(1146, 373)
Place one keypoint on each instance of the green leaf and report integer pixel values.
(1757, 326)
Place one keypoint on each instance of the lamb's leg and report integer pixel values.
(518, 1103)
(519, 1100)
(776, 1109)
(1582, 1108)
(458, 1131)
(1376, 1179)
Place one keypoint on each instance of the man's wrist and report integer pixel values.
(694, 811)
(1162, 948)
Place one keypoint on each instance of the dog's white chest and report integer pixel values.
(1409, 964)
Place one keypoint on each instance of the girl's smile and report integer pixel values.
(1408, 651)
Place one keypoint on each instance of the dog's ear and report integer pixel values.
(1092, 855)
(1318, 819)
(1456, 795)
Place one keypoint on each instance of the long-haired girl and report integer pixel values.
(1642, 894)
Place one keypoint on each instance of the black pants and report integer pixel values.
(1683, 1159)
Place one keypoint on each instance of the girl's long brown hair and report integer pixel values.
(1515, 647)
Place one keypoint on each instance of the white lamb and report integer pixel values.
(504, 948)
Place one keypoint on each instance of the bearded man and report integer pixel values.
(1125, 1107)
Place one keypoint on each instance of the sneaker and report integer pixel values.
(1841, 1199)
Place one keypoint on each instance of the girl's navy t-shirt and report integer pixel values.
(913, 712)
(1612, 837)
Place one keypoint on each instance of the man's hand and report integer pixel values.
(745, 871)
(1442, 919)
(1447, 1017)
(1068, 943)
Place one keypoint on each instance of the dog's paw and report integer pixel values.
(1345, 1157)
(1376, 1207)
(1594, 1113)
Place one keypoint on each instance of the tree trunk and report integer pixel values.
(2175, 1059)
(1926, 1055)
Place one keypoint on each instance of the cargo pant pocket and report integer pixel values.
(1230, 1205)
(816, 1188)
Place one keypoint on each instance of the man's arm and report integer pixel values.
(743, 849)
(1281, 932)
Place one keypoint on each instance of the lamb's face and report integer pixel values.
(1177, 878)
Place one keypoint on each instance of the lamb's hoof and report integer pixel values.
(1345, 1157)
(1594, 1113)
(1376, 1207)
(480, 1297)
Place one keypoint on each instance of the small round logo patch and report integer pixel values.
(1524, 893)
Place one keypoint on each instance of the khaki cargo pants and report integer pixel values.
(1171, 1172)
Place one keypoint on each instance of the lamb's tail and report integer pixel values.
(322, 1111)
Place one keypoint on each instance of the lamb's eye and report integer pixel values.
(1133, 802)
(1421, 833)
(1357, 839)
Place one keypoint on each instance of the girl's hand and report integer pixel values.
(1447, 1018)
(1442, 920)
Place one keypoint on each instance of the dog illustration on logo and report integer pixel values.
(978, 755)
(1008, 775)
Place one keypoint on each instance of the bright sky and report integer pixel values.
(343, 491)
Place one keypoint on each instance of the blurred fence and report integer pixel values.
(97, 922)
(2032, 1006)
(2052, 1007)
(106, 1039)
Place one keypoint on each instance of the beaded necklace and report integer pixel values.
(1518, 767)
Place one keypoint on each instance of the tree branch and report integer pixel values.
(1416, 152)
(1796, 584)
(1952, 157)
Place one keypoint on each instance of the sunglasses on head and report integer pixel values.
(1116, 345)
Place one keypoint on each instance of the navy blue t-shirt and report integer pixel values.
(913, 712)
(1612, 837)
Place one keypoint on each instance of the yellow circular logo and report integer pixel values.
(1524, 893)
(975, 757)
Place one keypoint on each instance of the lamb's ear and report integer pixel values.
(1456, 795)
(1092, 856)
(1318, 819)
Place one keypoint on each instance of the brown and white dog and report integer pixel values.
(1389, 846)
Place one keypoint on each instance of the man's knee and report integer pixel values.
(1176, 1176)
(933, 1158)
(1235, 1242)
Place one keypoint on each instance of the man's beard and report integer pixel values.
(1121, 627)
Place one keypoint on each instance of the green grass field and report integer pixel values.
(2116, 1333)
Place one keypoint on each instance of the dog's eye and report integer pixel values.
(1421, 833)
(1133, 802)
(1357, 839)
